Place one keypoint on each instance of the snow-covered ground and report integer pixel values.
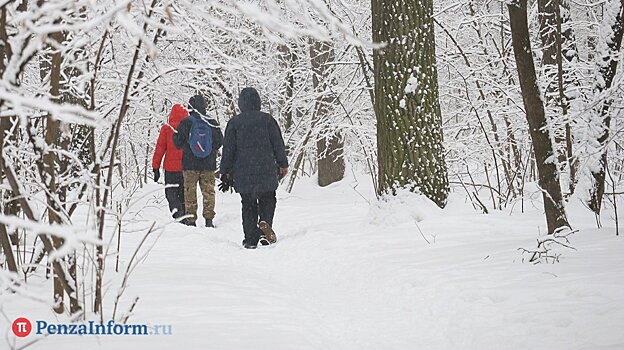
(352, 273)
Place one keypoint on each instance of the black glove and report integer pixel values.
(156, 175)
(225, 184)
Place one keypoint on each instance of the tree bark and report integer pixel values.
(51, 65)
(409, 121)
(548, 11)
(4, 125)
(287, 58)
(607, 66)
(536, 118)
(567, 49)
(330, 144)
(548, 14)
(76, 140)
(558, 45)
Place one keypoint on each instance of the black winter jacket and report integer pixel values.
(180, 138)
(253, 147)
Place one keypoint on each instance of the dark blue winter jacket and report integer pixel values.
(197, 106)
(253, 147)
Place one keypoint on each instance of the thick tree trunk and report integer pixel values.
(409, 121)
(329, 146)
(536, 118)
(607, 64)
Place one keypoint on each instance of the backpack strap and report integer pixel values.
(205, 119)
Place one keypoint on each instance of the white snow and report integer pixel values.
(412, 85)
(349, 272)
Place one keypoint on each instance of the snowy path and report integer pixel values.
(346, 275)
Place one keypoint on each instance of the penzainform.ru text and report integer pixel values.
(22, 327)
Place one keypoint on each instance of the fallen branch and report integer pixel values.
(546, 247)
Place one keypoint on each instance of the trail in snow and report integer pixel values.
(349, 274)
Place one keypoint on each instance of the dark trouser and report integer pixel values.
(175, 195)
(257, 207)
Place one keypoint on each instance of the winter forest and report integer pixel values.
(456, 173)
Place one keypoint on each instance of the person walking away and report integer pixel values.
(172, 162)
(200, 138)
(253, 157)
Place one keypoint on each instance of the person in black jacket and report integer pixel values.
(253, 157)
(196, 169)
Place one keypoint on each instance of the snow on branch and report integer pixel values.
(26, 105)
(278, 20)
(72, 237)
(11, 282)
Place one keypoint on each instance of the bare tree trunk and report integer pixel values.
(407, 106)
(331, 164)
(559, 49)
(287, 58)
(101, 214)
(5, 53)
(4, 125)
(513, 145)
(567, 49)
(76, 141)
(5, 241)
(50, 73)
(536, 118)
(54, 72)
(53, 69)
(607, 64)
(548, 11)
(28, 212)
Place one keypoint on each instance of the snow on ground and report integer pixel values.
(351, 273)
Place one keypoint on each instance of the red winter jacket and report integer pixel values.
(165, 146)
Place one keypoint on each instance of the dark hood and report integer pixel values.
(198, 104)
(249, 100)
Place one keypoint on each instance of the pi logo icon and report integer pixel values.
(21, 327)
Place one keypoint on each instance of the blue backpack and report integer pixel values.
(200, 137)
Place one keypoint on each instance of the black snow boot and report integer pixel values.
(263, 240)
(188, 222)
(209, 223)
(249, 246)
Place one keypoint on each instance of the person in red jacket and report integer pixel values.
(173, 161)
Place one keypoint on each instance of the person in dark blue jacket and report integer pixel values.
(198, 169)
(254, 158)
